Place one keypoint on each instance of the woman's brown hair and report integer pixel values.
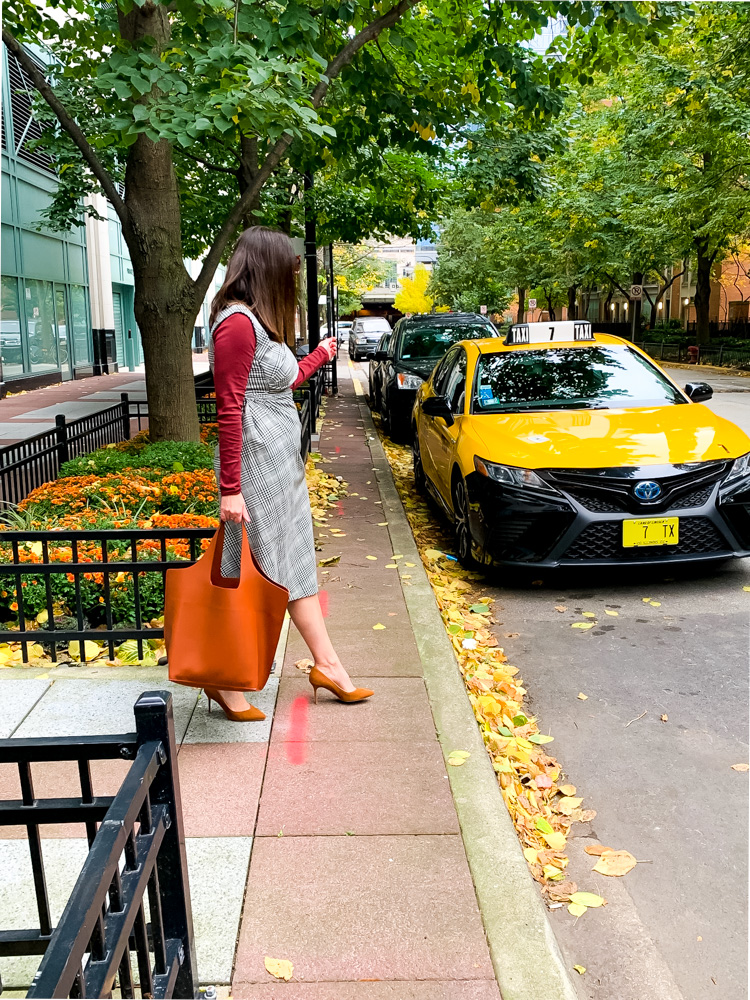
(260, 274)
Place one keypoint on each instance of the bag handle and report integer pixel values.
(247, 563)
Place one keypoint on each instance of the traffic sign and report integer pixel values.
(483, 310)
(636, 292)
(532, 303)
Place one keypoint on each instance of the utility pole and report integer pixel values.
(311, 267)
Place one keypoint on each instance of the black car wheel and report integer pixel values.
(420, 480)
(461, 525)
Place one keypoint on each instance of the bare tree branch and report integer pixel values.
(205, 163)
(275, 155)
(71, 127)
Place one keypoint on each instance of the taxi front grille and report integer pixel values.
(613, 503)
(603, 540)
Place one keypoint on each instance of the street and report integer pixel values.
(651, 749)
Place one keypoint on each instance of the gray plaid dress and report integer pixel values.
(272, 472)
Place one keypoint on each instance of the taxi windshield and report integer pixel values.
(424, 340)
(577, 378)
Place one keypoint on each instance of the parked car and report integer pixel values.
(343, 329)
(561, 447)
(365, 334)
(399, 368)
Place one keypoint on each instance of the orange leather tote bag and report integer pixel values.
(222, 632)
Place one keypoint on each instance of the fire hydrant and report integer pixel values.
(693, 355)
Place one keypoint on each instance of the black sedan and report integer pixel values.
(413, 349)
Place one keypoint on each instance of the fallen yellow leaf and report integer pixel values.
(456, 761)
(531, 855)
(588, 614)
(556, 841)
(568, 804)
(281, 968)
(560, 608)
(582, 696)
(583, 625)
(596, 849)
(580, 969)
(646, 600)
(391, 565)
(382, 524)
(577, 909)
(378, 627)
(615, 863)
(587, 899)
(614, 614)
(741, 767)
(372, 558)
(655, 604)
(746, 588)
(459, 753)
(664, 718)
(568, 789)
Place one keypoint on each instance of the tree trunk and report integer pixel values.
(550, 308)
(572, 305)
(165, 305)
(702, 291)
(521, 305)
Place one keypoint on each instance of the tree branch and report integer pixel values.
(71, 127)
(205, 163)
(275, 155)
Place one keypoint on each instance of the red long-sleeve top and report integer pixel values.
(234, 350)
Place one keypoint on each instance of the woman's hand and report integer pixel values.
(233, 508)
(330, 346)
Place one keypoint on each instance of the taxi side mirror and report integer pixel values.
(438, 406)
(381, 355)
(699, 392)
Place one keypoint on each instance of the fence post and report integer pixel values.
(154, 720)
(125, 416)
(662, 351)
(721, 354)
(61, 427)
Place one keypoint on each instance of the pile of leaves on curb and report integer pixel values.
(542, 806)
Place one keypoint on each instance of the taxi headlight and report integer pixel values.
(510, 475)
(740, 468)
(408, 381)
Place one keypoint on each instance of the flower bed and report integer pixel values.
(132, 496)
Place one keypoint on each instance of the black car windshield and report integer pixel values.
(569, 378)
(426, 341)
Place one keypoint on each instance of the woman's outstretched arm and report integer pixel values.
(323, 353)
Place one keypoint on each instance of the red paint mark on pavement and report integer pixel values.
(296, 748)
(337, 449)
(340, 508)
(323, 598)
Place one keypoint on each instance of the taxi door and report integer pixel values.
(441, 440)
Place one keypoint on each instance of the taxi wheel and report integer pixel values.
(461, 526)
(420, 481)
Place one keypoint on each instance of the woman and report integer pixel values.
(259, 468)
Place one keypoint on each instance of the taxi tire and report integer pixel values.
(462, 525)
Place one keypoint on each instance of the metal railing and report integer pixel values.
(112, 555)
(132, 897)
(703, 354)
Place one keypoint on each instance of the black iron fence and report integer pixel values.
(721, 356)
(128, 922)
(104, 586)
(28, 464)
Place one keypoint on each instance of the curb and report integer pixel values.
(525, 955)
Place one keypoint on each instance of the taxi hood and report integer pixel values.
(595, 439)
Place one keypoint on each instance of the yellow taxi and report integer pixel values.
(559, 446)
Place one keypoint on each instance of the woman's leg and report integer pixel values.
(308, 617)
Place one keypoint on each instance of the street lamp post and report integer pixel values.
(311, 267)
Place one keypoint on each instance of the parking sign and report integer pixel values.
(636, 292)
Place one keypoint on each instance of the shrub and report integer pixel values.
(177, 456)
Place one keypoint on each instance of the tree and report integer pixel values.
(356, 271)
(197, 104)
(466, 275)
(413, 297)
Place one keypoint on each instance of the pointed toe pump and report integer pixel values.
(319, 680)
(252, 714)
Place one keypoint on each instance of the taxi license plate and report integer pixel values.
(650, 531)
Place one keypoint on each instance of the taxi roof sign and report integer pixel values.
(552, 330)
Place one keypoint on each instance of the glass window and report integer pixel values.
(423, 340)
(442, 373)
(40, 323)
(80, 321)
(10, 330)
(569, 378)
(455, 388)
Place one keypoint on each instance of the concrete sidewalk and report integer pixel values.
(331, 835)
